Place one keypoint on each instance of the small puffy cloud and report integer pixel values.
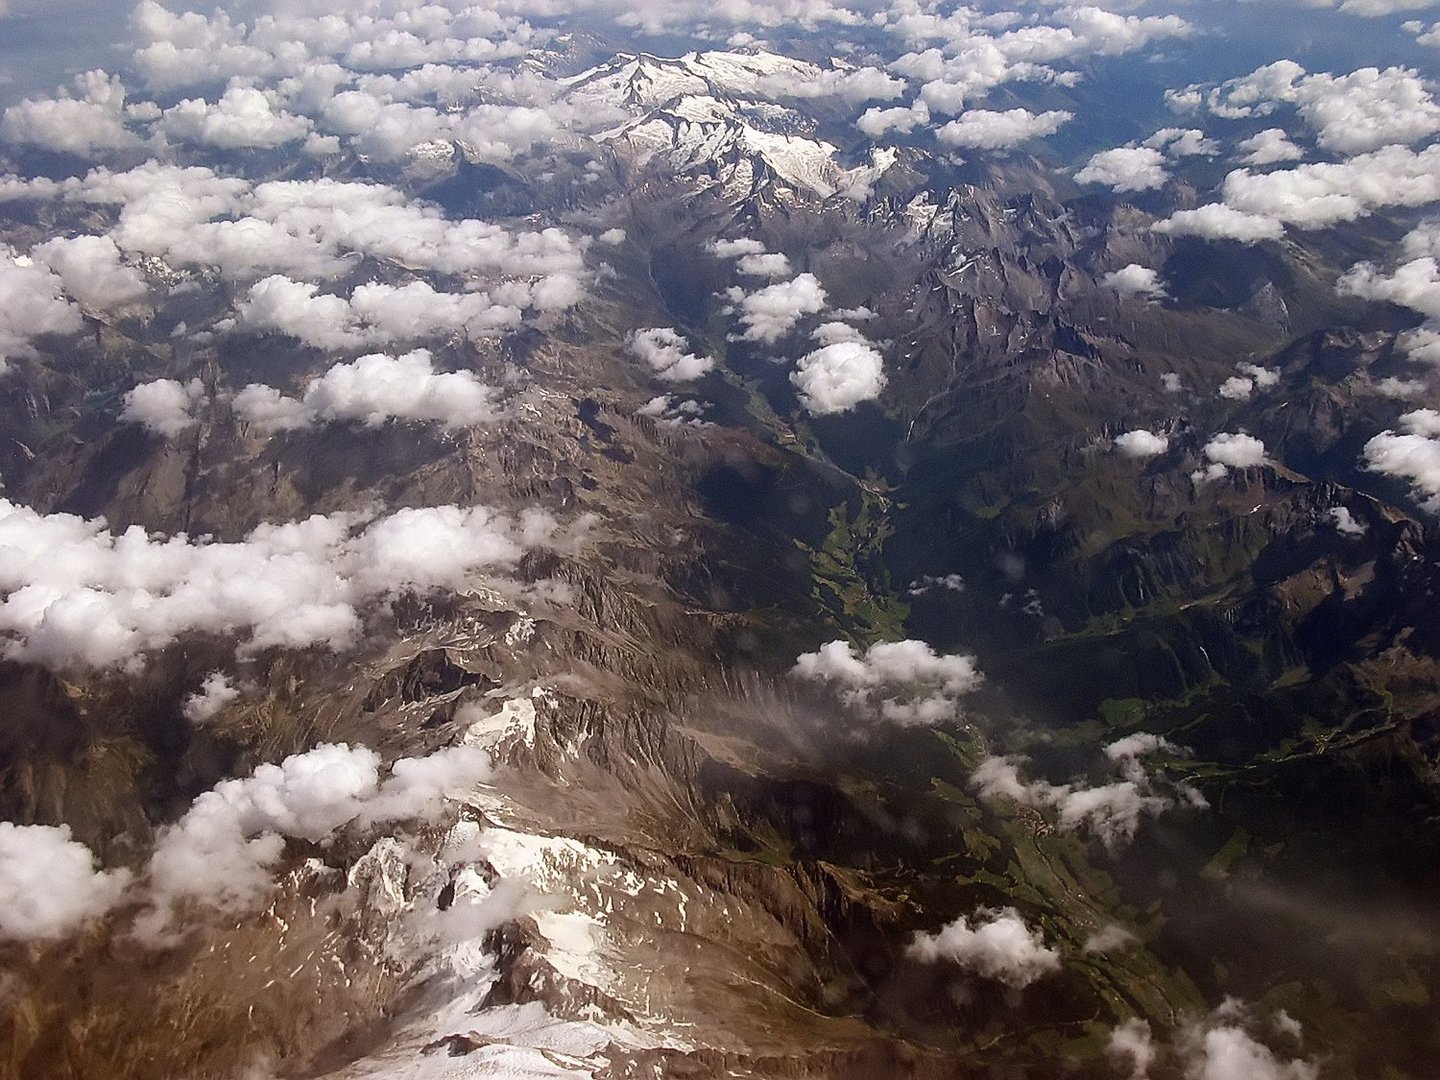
(1288, 1025)
(1412, 455)
(1269, 147)
(1264, 377)
(1135, 280)
(1134, 746)
(876, 122)
(905, 682)
(1230, 451)
(831, 333)
(34, 304)
(1183, 142)
(764, 264)
(1415, 285)
(1170, 380)
(1216, 221)
(1253, 377)
(1141, 444)
(1394, 387)
(214, 694)
(664, 350)
(1109, 939)
(1421, 344)
(1235, 451)
(270, 410)
(770, 313)
(49, 884)
(1237, 388)
(837, 377)
(86, 125)
(223, 853)
(1424, 239)
(1230, 1053)
(1126, 168)
(1111, 811)
(997, 945)
(372, 391)
(164, 406)
(983, 129)
(91, 271)
(734, 249)
(751, 257)
(1225, 1045)
(675, 412)
(243, 118)
(1132, 1046)
(1345, 523)
(929, 583)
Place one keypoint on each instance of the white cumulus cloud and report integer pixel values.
(1135, 280)
(1141, 443)
(770, 313)
(665, 351)
(1126, 168)
(373, 390)
(164, 406)
(995, 944)
(77, 595)
(1269, 147)
(984, 129)
(91, 270)
(1111, 811)
(1216, 221)
(34, 304)
(904, 682)
(837, 377)
(244, 118)
(223, 852)
(49, 884)
(214, 694)
(88, 123)
(1411, 454)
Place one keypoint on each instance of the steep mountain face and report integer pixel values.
(1200, 763)
(711, 118)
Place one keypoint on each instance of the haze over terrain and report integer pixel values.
(795, 539)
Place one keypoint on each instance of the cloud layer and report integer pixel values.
(77, 595)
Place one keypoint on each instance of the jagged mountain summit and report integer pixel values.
(713, 117)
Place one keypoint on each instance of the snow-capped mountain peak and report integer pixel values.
(711, 116)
